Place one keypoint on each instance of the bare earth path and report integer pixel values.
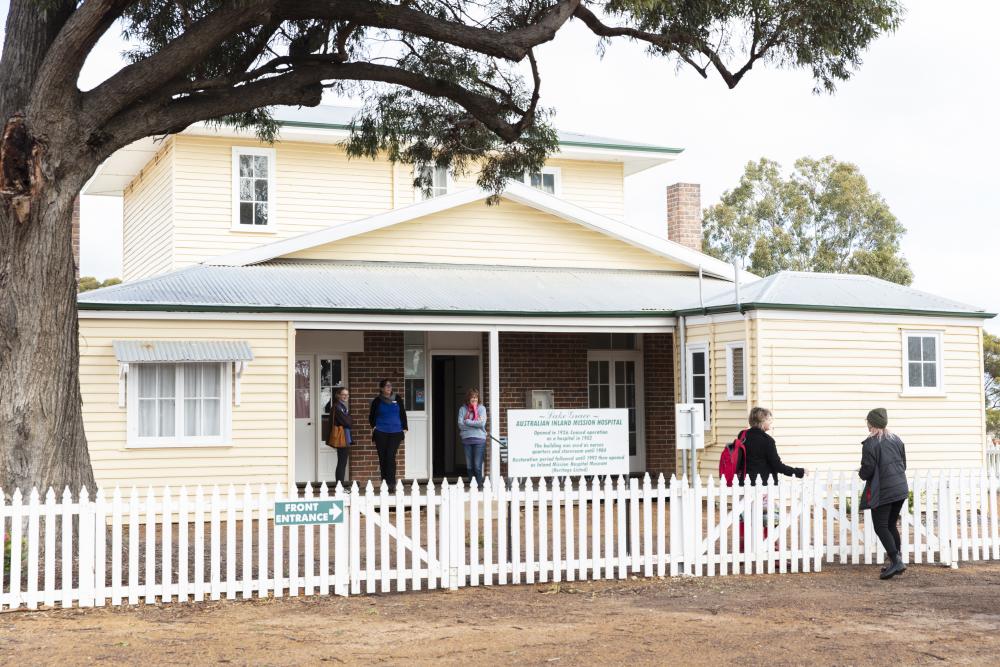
(843, 615)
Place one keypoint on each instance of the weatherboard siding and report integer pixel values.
(147, 218)
(507, 233)
(260, 424)
(821, 377)
(318, 186)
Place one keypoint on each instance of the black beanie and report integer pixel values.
(878, 418)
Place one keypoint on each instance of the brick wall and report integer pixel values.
(382, 358)
(658, 368)
(684, 214)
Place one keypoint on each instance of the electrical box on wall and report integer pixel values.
(540, 399)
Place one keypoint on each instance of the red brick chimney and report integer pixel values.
(684, 214)
(76, 235)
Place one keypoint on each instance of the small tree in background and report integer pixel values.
(822, 217)
(991, 377)
(87, 283)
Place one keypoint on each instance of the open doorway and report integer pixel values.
(451, 377)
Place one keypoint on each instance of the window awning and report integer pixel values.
(172, 351)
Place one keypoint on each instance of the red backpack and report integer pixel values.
(734, 457)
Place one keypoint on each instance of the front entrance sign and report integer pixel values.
(308, 512)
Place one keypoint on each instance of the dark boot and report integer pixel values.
(895, 567)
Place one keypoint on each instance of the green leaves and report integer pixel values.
(991, 378)
(821, 217)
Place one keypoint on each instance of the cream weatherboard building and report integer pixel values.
(259, 277)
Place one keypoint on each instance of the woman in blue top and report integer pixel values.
(387, 417)
(472, 431)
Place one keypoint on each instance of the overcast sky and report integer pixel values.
(919, 118)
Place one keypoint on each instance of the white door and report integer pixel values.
(332, 373)
(614, 380)
(306, 433)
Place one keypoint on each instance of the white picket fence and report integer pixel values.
(179, 546)
(993, 460)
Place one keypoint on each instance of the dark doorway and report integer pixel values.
(451, 377)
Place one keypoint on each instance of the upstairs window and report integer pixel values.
(736, 372)
(438, 177)
(922, 365)
(253, 189)
(546, 180)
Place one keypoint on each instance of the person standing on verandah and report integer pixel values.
(472, 431)
(387, 417)
(883, 467)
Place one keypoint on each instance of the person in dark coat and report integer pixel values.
(763, 463)
(883, 467)
(387, 417)
(340, 410)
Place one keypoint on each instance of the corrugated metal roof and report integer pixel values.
(839, 291)
(138, 351)
(339, 117)
(420, 288)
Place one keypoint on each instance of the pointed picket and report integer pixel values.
(183, 555)
(116, 544)
(246, 518)
(167, 547)
(34, 509)
(529, 533)
(263, 506)
(199, 544)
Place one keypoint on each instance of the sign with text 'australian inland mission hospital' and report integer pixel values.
(547, 443)
(308, 512)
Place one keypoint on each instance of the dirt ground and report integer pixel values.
(843, 615)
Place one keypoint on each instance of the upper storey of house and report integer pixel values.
(211, 191)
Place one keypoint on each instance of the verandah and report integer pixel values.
(137, 547)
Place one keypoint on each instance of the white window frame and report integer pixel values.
(731, 394)
(224, 439)
(692, 349)
(557, 180)
(418, 193)
(938, 335)
(272, 191)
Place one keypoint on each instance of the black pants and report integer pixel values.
(885, 517)
(387, 444)
(343, 453)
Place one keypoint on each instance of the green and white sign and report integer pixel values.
(308, 512)
(547, 443)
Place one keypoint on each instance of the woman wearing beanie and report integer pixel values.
(883, 467)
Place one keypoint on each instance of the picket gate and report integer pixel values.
(142, 547)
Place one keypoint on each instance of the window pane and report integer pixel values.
(605, 400)
(631, 443)
(930, 375)
(620, 396)
(930, 348)
(441, 177)
(166, 418)
(629, 396)
(192, 380)
(147, 419)
(246, 214)
(192, 417)
(302, 386)
(549, 183)
(168, 379)
(698, 391)
(246, 189)
(592, 373)
(605, 367)
(246, 165)
(630, 372)
(260, 214)
(698, 363)
(260, 165)
(260, 189)
(915, 374)
(211, 379)
(737, 371)
(595, 397)
(211, 417)
(145, 375)
(913, 347)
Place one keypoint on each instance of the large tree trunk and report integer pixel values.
(42, 442)
(42, 168)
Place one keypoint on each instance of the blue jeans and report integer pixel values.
(475, 450)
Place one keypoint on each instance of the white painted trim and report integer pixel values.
(730, 394)
(133, 441)
(557, 180)
(272, 192)
(516, 192)
(902, 320)
(909, 391)
(689, 380)
(122, 379)
(406, 322)
(494, 408)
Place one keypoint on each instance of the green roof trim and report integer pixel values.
(734, 308)
(581, 144)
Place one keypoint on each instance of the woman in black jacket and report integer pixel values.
(340, 409)
(763, 462)
(883, 467)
